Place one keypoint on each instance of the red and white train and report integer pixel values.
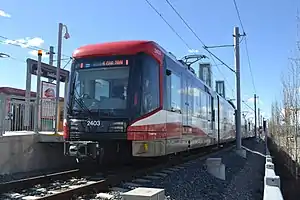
(134, 99)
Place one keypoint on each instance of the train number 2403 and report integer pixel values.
(94, 123)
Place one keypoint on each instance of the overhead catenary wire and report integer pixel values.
(239, 16)
(205, 47)
(249, 64)
(67, 63)
(186, 44)
(170, 26)
(195, 34)
(19, 43)
(225, 79)
(246, 44)
(247, 105)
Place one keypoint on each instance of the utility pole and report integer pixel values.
(59, 49)
(60, 29)
(258, 113)
(255, 117)
(236, 37)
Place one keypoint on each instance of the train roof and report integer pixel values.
(119, 48)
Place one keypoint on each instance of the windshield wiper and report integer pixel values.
(81, 104)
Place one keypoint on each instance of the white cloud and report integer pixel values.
(26, 42)
(265, 115)
(4, 14)
(258, 101)
(193, 51)
(35, 53)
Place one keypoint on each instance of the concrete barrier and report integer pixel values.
(23, 153)
(216, 168)
(271, 180)
(144, 193)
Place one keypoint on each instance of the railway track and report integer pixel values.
(76, 184)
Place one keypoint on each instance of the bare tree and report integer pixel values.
(285, 122)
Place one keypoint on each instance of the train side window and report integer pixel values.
(191, 98)
(175, 82)
(150, 85)
(203, 97)
(209, 106)
(197, 107)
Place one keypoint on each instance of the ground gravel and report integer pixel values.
(191, 181)
(244, 178)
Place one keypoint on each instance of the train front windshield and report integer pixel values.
(115, 87)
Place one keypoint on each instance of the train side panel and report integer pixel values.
(226, 121)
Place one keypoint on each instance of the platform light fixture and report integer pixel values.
(59, 53)
(4, 55)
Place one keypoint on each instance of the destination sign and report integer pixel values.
(105, 63)
(112, 62)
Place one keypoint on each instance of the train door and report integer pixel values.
(185, 106)
(211, 119)
(175, 110)
(218, 120)
(190, 99)
(190, 105)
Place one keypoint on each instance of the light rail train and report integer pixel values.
(134, 99)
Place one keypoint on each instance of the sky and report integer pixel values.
(270, 26)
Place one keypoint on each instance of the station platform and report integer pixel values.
(42, 136)
(23, 151)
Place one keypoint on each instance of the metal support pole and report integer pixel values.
(58, 73)
(66, 97)
(255, 117)
(258, 116)
(27, 97)
(38, 93)
(238, 88)
(3, 103)
(51, 53)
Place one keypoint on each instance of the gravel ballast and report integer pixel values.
(191, 181)
(244, 178)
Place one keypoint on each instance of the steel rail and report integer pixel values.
(103, 185)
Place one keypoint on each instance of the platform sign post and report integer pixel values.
(60, 28)
(46, 71)
(38, 93)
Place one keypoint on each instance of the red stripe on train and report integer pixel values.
(159, 131)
